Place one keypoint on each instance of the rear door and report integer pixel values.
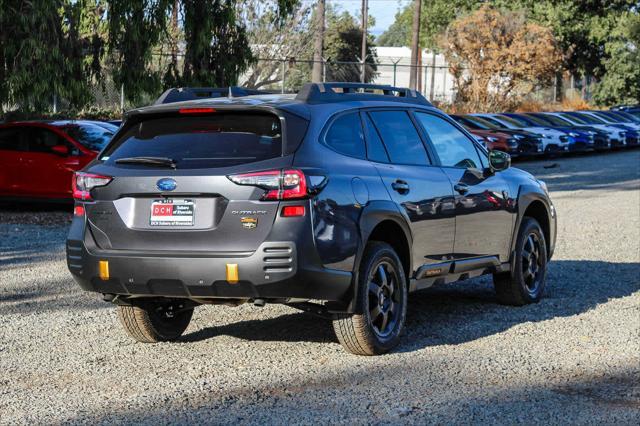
(12, 149)
(196, 206)
(421, 190)
(48, 173)
(483, 204)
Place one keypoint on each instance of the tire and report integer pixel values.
(525, 283)
(381, 304)
(155, 321)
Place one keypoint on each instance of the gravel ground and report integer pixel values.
(572, 358)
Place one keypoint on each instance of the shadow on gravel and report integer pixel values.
(462, 312)
(361, 397)
(52, 296)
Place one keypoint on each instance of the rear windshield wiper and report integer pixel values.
(150, 161)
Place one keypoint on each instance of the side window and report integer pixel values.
(42, 140)
(375, 149)
(345, 135)
(11, 139)
(454, 148)
(400, 137)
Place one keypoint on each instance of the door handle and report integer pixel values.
(400, 186)
(461, 188)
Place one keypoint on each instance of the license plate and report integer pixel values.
(172, 213)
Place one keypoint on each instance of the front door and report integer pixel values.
(483, 204)
(421, 190)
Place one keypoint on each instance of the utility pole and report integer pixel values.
(316, 73)
(363, 54)
(415, 45)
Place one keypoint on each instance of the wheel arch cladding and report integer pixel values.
(390, 232)
(538, 211)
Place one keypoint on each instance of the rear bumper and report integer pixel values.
(281, 270)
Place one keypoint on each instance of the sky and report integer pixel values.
(384, 11)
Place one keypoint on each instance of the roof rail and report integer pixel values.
(181, 94)
(337, 92)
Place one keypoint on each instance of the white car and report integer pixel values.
(552, 140)
(604, 116)
(617, 136)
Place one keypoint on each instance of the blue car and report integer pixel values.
(602, 141)
(579, 140)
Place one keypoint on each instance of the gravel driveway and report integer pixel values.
(572, 358)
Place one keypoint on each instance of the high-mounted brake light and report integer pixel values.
(196, 110)
(278, 184)
(83, 183)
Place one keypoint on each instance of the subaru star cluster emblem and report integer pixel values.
(166, 184)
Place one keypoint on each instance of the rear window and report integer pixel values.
(90, 136)
(219, 140)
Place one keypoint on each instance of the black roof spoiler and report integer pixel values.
(181, 94)
(337, 92)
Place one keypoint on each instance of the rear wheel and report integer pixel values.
(525, 282)
(381, 304)
(155, 321)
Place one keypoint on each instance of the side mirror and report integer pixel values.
(499, 160)
(60, 149)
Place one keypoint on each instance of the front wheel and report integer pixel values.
(525, 283)
(381, 304)
(155, 321)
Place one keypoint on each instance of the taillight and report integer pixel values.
(278, 184)
(83, 183)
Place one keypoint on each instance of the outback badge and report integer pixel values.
(249, 222)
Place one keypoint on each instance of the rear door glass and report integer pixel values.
(219, 140)
(11, 139)
(400, 137)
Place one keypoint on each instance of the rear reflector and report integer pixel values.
(196, 110)
(232, 273)
(293, 211)
(78, 210)
(104, 269)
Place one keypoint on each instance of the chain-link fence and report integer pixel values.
(288, 75)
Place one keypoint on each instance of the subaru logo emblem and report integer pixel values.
(166, 184)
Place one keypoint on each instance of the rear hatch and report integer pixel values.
(174, 186)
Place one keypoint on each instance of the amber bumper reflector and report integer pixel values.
(104, 270)
(232, 273)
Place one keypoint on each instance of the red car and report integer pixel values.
(38, 158)
(494, 140)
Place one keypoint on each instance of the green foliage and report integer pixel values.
(343, 43)
(135, 27)
(620, 83)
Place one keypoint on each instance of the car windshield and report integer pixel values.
(470, 123)
(486, 121)
(89, 135)
(535, 121)
(573, 118)
(513, 121)
(555, 120)
(218, 140)
(614, 116)
(630, 117)
(589, 118)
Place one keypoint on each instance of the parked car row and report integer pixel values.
(553, 133)
(38, 158)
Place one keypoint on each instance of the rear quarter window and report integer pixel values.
(219, 140)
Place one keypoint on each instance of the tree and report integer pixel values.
(496, 57)
(620, 83)
(342, 49)
(43, 53)
(135, 27)
(273, 40)
(416, 52)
